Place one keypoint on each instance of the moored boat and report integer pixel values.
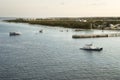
(14, 33)
(41, 31)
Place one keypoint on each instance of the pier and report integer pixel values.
(96, 35)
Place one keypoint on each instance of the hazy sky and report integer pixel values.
(59, 8)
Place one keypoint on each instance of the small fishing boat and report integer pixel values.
(41, 31)
(14, 33)
(90, 47)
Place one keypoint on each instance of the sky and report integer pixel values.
(59, 8)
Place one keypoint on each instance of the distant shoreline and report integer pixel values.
(107, 23)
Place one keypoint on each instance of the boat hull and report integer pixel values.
(14, 33)
(97, 49)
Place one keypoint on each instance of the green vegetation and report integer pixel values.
(60, 23)
(82, 23)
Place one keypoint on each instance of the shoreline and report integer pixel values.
(75, 23)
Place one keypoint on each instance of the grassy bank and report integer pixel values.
(60, 23)
(81, 23)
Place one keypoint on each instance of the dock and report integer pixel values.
(96, 35)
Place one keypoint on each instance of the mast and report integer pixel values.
(91, 26)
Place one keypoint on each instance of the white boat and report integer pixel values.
(90, 47)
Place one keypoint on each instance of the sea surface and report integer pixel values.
(54, 55)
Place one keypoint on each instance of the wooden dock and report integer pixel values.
(96, 35)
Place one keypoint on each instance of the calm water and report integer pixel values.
(54, 55)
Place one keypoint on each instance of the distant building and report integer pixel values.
(82, 20)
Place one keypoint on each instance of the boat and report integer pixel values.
(41, 31)
(14, 33)
(90, 47)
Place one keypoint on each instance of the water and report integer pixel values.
(54, 55)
